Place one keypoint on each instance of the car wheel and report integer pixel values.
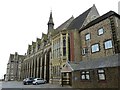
(36, 83)
(27, 83)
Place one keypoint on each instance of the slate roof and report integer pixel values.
(78, 21)
(110, 61)
(65, 24)
(101, 18)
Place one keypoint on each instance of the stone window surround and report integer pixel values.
(106, 41)
(101, 73)
(86, 36)
(84, 51)
(86, 75)
(98, 47)
(99, 34)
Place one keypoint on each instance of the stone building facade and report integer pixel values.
(47, 56)
(37, 63)
(13, 71)
(99, 63)
(63, 38)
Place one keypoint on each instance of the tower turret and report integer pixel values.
(50, 23)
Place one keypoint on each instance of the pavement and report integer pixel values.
(18, 84)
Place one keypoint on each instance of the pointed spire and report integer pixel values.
(50, 22)
(50, 19)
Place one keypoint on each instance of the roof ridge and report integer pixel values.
(104, 16)
(67, 21)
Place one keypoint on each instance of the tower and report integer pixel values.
(50, 23)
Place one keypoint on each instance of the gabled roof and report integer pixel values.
(11, 57)
(101, 18)
(33, 44)
(65, 24)
(38, 40)
(44, 36)
(78, 21)
(110, 61)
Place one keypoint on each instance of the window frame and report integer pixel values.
(101, 73)
(86, 39)
(98, 47)
(84, 51)
(99, 34)
(108, 44)
(85, 74)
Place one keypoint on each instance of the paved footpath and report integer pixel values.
(16, 84)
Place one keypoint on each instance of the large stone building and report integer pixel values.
(13, 71)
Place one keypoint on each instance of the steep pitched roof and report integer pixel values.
(65, 24)
(78, 21)
(103, 17)
(38, 40)
(44, 36)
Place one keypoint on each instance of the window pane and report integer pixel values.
(84, 51)
(87, 37)
(83, 72)
(108, 44)
(64, 51)
(83, 76)
(100, 31)
(95, 48)
(87, 77)
(101, 77)
(100, 71)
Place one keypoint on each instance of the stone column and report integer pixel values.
(45, 67)
(41, 67)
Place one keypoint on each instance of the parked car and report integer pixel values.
(38, 81)
(28, 81)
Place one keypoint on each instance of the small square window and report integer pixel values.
(85, 75)
(100, 31)
(108, 44)
(95, 48)
(87, 36)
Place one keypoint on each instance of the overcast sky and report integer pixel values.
(22, 21)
